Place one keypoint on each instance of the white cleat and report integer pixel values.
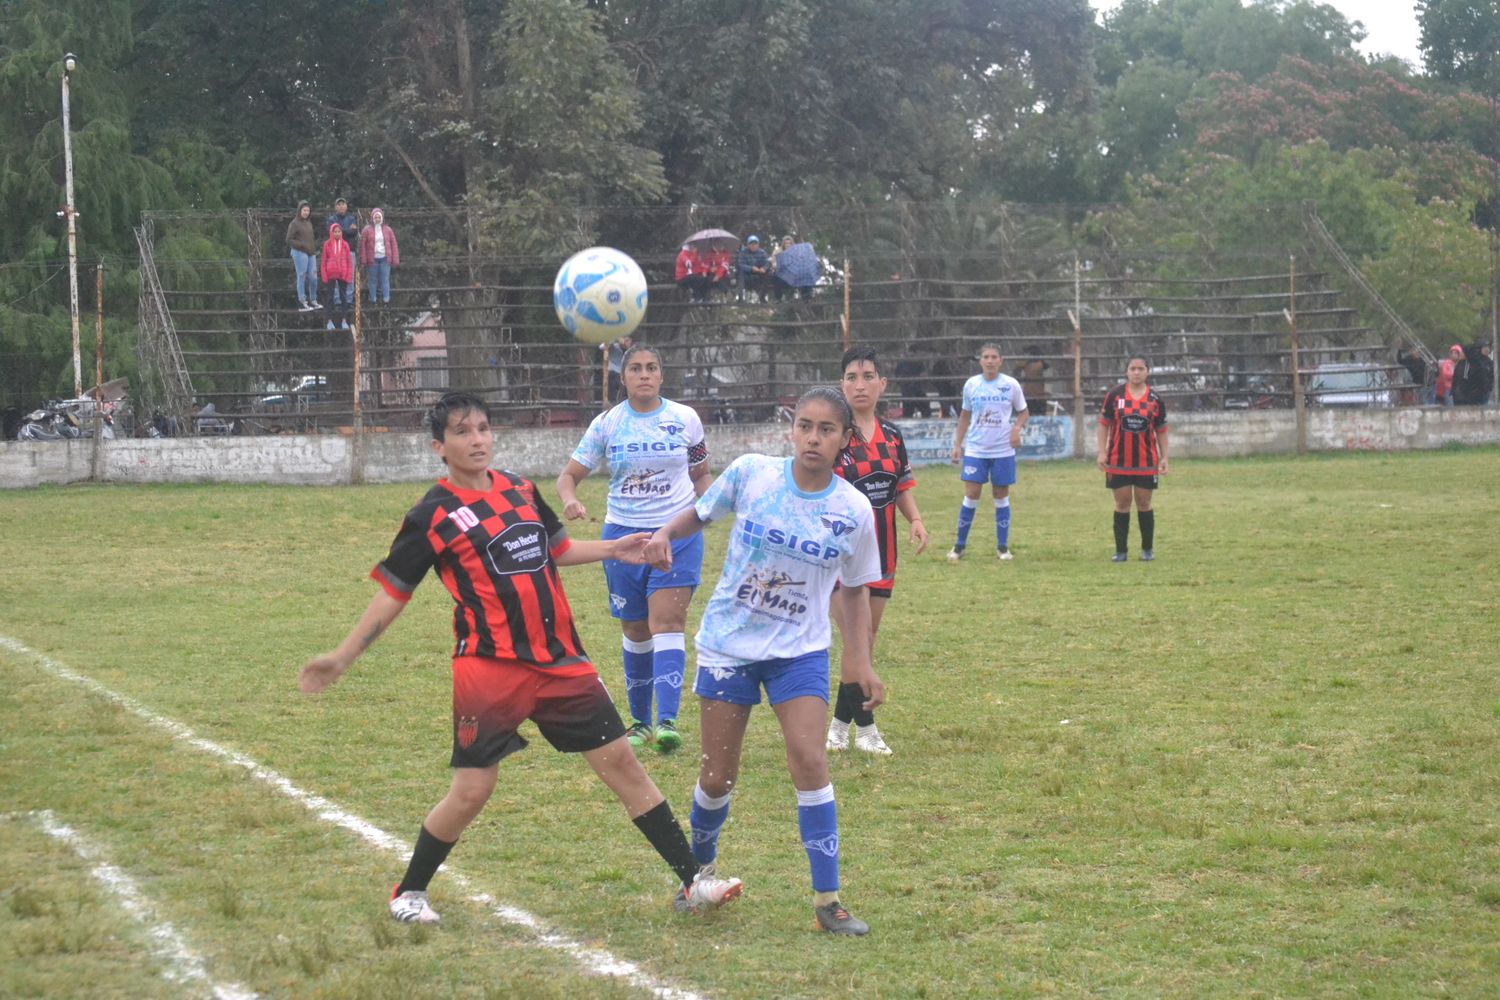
(867, 738)
(1004, 555)
(707, 892)
(954, 555)
(411, 907)
(838, 735)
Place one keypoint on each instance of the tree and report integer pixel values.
(1460, 39)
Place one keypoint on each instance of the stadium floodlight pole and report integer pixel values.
(70, 63)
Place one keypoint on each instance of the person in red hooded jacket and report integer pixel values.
(1443, 388)
(338, 275)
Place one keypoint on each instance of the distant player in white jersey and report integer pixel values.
(984, 446)
(800, 529)
(658, 465)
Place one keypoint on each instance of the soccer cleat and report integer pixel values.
(707, 891)
(838, 735)
(411, 907)
(1119, 557)
(1146, 555)
(667, 737)
(834, 919)
(1004, 555)
(867, 738)
(955, 554)
(639, 734)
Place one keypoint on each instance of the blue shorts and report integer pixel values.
(630, 585)
(783, 680)
(999, 471)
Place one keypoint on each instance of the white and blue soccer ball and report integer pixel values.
(600, 295)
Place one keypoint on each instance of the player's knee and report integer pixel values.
(808, 765)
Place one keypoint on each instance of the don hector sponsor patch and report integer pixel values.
(521, 548)
(878, 487)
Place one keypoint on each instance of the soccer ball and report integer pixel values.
(600, 295)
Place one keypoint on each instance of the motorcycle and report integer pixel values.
(66, 419)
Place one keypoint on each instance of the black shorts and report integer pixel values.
(1116, 480)
(491, 698)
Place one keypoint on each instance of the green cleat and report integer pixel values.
(667, 737)
(639, 734)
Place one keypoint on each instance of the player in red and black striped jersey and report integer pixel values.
(496, 546)
(1133, 453)
(875, 462)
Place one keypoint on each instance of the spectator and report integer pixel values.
(779, 287)
(797, 268)
(349, 223)
(1033, 379)
(616, 364)
(754, 269)
(692, 276)
(378, 253)
(716, 265)
(1478, 375)
(338, 275)
(1416, 370)
(912, 385)
(302, 243)
(1443, 390)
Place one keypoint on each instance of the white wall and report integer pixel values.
(388, 458)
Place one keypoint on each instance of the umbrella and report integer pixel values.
(719, 239)
(797, 265)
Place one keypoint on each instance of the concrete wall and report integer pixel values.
(390, 458)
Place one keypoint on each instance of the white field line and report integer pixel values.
(594, 961)
(183, 964)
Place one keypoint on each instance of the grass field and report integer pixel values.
(1266, 765)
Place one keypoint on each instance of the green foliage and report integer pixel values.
(1460, 39)
(1436, 273)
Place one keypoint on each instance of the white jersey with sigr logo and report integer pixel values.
(649, 455)
(993, 407)
(786, 550)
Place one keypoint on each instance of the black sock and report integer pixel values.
(429, 853)
(854, 695)
(661, 829)
(1148, 527)
(1122, 531)
(843, 708)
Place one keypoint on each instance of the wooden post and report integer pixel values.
(99, 336)
(1298, 401)
(848, 277)
(1075, 315)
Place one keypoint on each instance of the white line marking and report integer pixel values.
(183, 964)
(595, 961)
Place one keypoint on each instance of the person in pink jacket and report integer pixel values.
(378, 253)
(1443, 388)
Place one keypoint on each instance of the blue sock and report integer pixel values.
(705, 819)
(818, 819)
(638, 678)
(965, 522)
(1002, 522)
(668, 661)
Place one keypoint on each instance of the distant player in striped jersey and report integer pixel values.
(875, 462)
(1133, 453)
(496, 546)
(984, 446)
(657, 461)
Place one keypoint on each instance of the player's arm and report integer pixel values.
(1102, 437)
(659, 550)
(1161, 451)
(907, 505)
(626, 549)
(572, 474)
(959, 434)
(855, 666)
(324, 669)
(700, 477)
(1017, 422)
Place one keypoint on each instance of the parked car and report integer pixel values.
(1347, 384)
(1252, 392)
(295, 409)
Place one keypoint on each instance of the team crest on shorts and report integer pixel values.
(468, 731)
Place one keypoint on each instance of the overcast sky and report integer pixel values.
(1390, 25)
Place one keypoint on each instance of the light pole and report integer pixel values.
(70, 62)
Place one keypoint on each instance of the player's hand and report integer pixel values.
(1103, 466)
(1161, 467)
(918, 536)
(658, 551)
(574, 510)
(320, 671)
(1015, 437)
(957, 456)
(631, 548)
(873, 688)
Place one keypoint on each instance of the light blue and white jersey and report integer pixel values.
(992, 408)
(786, 551)
(649, 455)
